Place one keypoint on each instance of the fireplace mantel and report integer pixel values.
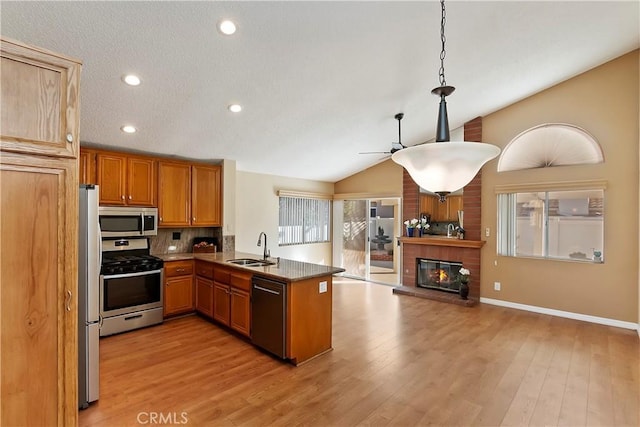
(442, 241)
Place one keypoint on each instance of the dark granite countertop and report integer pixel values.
(287, 269)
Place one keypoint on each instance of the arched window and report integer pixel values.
(550, 144)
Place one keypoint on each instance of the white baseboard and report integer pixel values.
(560, 313)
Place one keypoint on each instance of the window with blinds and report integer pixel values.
(565, 225)
(304, 220)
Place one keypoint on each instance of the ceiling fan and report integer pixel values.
(395, 146)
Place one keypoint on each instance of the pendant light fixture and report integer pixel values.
(444, 166)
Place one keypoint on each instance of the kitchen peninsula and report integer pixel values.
(220, 290)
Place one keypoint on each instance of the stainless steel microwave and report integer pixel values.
(127, 221)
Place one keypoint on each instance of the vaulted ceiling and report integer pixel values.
(319, 82)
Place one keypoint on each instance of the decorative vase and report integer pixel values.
(410, 232)
(420, 232)
(464, 290)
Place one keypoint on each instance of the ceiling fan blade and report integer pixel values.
(395, 146)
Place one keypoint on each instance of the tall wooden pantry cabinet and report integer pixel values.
(39, 148)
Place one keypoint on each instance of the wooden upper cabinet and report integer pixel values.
(206, 186)
(87, 174)
(189, 195)
(454, 205)
(174, 189)
(141, 182)
(441, 211)
(39, 101)
(126, 180)
(427, 205)
(111, 178)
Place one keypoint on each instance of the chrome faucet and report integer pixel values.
(267, 253)
(450, 229)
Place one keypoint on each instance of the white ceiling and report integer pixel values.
(319, 81)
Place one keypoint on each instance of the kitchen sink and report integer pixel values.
(250, 262)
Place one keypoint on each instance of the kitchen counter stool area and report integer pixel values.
(209, 285)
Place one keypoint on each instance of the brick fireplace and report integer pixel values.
(465, 251)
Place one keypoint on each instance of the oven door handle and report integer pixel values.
(141, 273)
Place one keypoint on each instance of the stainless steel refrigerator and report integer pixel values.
(89, 255)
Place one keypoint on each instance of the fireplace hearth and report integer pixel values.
(438, 274)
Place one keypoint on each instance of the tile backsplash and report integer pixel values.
(441, 227)
(160, 244)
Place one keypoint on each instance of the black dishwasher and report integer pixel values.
(268, 315)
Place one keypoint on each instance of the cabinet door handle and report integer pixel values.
(194, 218)
(68, 302)
(69, 137)
(180, 270)
(130, 197)
(122, 197)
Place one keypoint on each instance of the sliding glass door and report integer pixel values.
(365, 239)
(354, 238)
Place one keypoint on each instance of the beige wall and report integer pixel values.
(603, 101)
(257, 210)
(383, 179)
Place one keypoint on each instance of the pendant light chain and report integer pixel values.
(444, 166)
(443, 52)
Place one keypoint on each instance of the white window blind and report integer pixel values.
(304, 220)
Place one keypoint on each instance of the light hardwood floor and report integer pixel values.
(397, 360)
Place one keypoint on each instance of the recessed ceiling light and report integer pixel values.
(235, 108)
(227, 27)
(128, 129)
(131, 79)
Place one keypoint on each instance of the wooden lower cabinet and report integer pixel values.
(221, 303)
(178, 287)
(204, 296)
(309, 318)
(204, 288)
(240, 316)
(231, 299)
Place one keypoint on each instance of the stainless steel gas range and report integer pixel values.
(130, 285)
